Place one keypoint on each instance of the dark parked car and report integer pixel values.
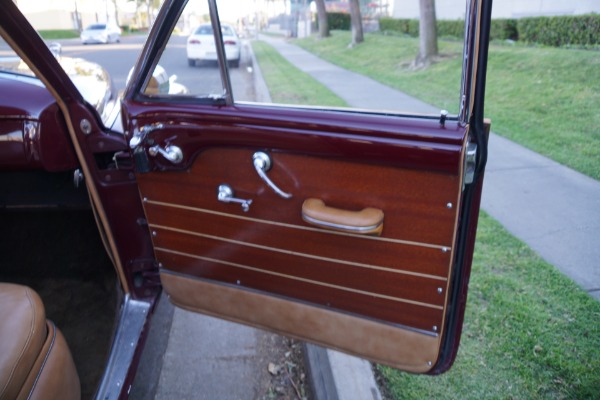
(349, 228)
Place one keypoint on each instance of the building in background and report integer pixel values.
(77, 14)
(455, 9)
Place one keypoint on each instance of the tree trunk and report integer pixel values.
(116, 13)
(149, 5)
(322, 15)
(356, 19)
(428, 46)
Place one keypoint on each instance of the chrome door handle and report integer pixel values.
(225, 195)
(262, 163)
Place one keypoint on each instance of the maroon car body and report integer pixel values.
(147, 201)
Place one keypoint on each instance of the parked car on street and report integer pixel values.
(101, 33)
(201, 45)
(349, 228)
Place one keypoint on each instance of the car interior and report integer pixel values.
(50, 243)
(57, 284)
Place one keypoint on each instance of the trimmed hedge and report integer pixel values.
(406, 26)
(552, 31)
(338, 21)
(561, 31)
(451, 28)
(504, 29)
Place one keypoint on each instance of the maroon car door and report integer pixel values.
(349, 228)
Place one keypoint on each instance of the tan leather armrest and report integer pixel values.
(368, 221)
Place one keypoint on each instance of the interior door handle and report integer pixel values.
(368, 221)
(262, 163)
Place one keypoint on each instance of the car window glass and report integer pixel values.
(274, 54)
(10, 62)
(190, 57)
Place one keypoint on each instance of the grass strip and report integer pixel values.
(529, 333)
(546, 99)
(58, 34)
(289, 85)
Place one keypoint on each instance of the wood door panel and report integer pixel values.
(404, 288)
(384, 310)
(407, 257)
(415, 203)
(399, 278)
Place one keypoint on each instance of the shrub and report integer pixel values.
(503, 29)
(451, 28)
(560, 31)
(552, 31)
(339, 21)
(405, 26)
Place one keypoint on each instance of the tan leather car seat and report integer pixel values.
(35, 362)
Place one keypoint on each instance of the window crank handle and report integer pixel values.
(171, 153)
(225, 195)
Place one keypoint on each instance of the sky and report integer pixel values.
(231, 10)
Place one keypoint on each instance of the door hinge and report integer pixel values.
(470, 163)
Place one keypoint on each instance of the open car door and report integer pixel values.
(344, 227)
(349, 228)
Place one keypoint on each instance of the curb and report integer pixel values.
(337, 376)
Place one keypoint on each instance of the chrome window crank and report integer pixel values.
(171, 153)
(262, 163)
(225, 195)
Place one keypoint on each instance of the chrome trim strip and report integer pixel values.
(332, 225)
(296, 278)
(222, 57)
(467, 65)
(299, 254)
(131, 324)
(300, 227)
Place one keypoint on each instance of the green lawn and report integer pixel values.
(546, 99)
(529, 333)
(305, 89)
(58, 34)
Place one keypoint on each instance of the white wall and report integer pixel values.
(455, 9)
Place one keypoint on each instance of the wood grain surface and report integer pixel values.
(399, 278)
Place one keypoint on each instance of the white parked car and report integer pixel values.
(201, 45)
(101, 33)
